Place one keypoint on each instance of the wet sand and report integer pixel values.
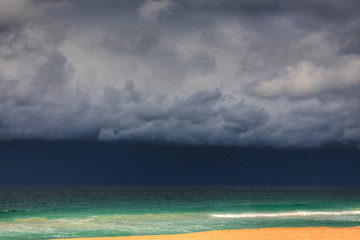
(309, 233)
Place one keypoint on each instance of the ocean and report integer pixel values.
(39, 213)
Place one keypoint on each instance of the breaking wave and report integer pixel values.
(288, 214)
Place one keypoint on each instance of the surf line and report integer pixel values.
(288, 214)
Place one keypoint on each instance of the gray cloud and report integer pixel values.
(199, 118)
(279, 73)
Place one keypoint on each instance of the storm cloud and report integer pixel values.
(278, 73)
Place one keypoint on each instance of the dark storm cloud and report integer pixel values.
(280, 73)
(186, 120)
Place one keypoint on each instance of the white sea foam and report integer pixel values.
(288, 214)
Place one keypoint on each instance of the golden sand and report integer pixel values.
(309, 233)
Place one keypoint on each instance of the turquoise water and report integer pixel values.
(60, 212)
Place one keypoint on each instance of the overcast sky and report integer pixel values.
(230, 72)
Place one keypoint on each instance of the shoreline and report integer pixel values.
(304, 233)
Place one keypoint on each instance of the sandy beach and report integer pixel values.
(309, 233)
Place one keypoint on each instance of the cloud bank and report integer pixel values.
(227, 72)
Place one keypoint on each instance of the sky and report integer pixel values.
(229, 76)
(239, 73)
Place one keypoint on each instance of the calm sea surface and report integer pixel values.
(58, 212)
